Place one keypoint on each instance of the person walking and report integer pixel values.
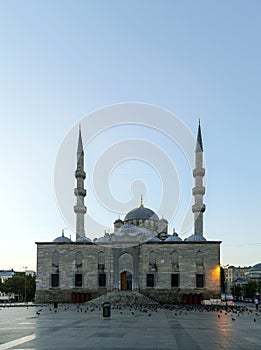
(256, 301)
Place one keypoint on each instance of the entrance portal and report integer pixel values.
(126, 280)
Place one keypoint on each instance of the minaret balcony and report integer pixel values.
(80, 209)
(80, 192)
(198, 190)
(199, 172)
(80, 174)
(196, 208)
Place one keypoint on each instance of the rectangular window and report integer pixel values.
(150, 280)
(174, 280)
(78, 280)
(102, 280)
(55, 280)
(200, 280)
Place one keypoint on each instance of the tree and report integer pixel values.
(250, 289)
(236, 290)
(20, 284)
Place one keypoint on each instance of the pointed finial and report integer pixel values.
(199, 144)
(141, 202)
(80, 146)
(62, 232)
(174, 233)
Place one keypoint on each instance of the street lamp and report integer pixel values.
(25, 267)
(225, 282)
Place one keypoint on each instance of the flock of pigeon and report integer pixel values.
(137, 304)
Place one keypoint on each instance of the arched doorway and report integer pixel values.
(126, 280)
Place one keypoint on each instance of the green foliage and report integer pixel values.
(237, 290)
(20, 285)
(250, 289)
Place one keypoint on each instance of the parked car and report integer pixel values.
(227, 297)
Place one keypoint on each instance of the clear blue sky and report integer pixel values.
(61, 60)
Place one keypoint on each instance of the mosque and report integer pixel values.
(139, 255)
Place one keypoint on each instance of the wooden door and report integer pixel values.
(123, 281)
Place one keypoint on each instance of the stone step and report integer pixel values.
(123, 299)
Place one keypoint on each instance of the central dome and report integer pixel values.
(141, 213)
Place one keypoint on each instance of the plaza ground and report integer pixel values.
(76, 327)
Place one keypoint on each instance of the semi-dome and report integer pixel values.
(128, 229)
(132, 232)
(195, 238)
(141, 213)
(163, 220)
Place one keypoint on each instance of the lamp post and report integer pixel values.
(225, 282)
(25, 267)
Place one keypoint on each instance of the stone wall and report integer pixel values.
(67, 269)
(191, 258)
(188, 266)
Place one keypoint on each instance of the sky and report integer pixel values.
(63, 63)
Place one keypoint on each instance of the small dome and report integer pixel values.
(195, 238)
(256, 267)
(83, 240)
(141, 213)
(174, 238)
(62, 239)
(154, 239)
(118, 221)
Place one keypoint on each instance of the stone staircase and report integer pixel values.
(124, 299)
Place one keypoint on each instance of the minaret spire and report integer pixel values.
(199, 145)
(198, 190)
(80, 146)
(79, 191)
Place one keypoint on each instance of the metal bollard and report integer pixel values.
(106, 310)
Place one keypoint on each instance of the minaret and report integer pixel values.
(199, 190)
(79, 191)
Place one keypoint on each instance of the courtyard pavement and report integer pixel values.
(75, 327)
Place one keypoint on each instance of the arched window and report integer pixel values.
(55, 259)
(199, 258)
(175, 259)
(78, 259)
(152, 259)
(101, 261)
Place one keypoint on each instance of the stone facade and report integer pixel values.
(136, 261)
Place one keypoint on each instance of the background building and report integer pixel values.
(234, 276)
